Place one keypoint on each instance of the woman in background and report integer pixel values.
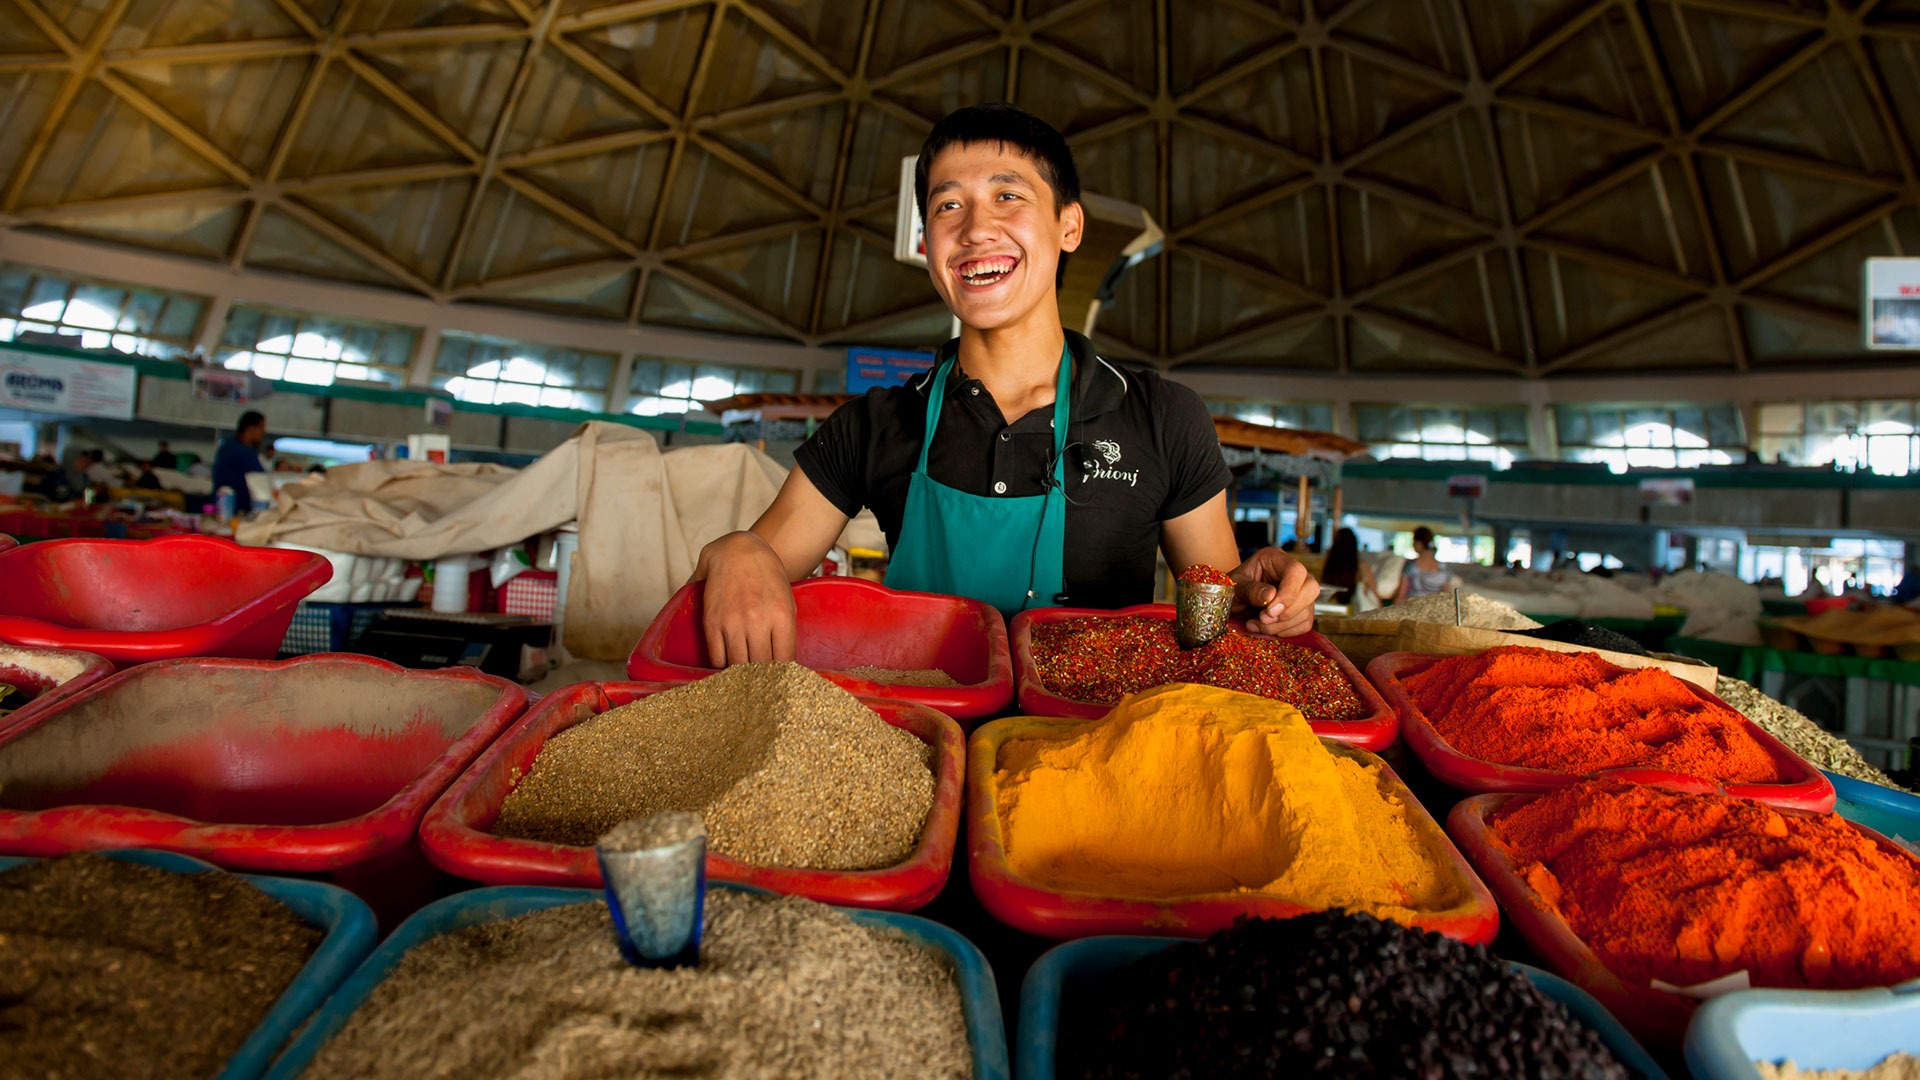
(1424, 575)
(1345, 571)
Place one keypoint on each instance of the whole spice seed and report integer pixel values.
(1328, 994)
(1897, 1067)
(114, 969)
(1688, 888)
(785, 988)
(1804, 737)
(787, 769)
(1476, 611)
(903, 676)
(1202, 574)
(1576, 713)
(1101, 659)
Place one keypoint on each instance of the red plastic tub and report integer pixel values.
(42, 677)
(456, 837)
(1656, 1016)
(1375, 732)
(323, 764)
(851, 622)
(1806, 789)
(132, 601)
(1021, 903)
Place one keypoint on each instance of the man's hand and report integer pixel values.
(1279, 592)
(748, 608)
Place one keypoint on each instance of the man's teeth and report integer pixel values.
(986, 273)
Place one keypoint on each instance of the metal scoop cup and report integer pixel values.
(655, 875)
(1200, 612)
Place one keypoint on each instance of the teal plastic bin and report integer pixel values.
(986, 1032)
(345, 918)
(1088, 958)
(1893, 814)
(1818, 1029)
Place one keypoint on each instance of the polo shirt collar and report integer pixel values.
(1098, 386)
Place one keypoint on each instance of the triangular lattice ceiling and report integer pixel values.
(1524, 186)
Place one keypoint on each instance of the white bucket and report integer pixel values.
(565, 543)
(450, 583)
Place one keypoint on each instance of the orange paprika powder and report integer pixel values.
(1577, 713)
(1688, 888)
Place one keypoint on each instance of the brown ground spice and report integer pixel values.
(116, 970)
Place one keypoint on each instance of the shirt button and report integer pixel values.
(1006, 436)
(974, 390)
(999, 487)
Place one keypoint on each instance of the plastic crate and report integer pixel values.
(1805, 788)
(1375, 731)
(979, 999)
(320, 765)
(1818, 1029)
(323, 627)
(349, 938)
(456, 837)
(1036, 909)
(1659, 1018)
(1891, 813)
(133, 601)
(850, 622)
(532, 593)
(1053, 974)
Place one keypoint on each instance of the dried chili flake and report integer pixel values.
(1202, 574)
(1101, 659)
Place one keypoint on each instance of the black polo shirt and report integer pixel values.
(1140, 451)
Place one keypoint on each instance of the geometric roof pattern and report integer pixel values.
(1530, 187)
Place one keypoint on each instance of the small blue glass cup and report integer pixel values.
(654, 870)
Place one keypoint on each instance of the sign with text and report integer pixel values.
(1467, 486)
(1666, 491)
(225, 387)
(868, 368)
(1892, 303)
(65, 386)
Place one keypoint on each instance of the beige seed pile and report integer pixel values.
(1802, 735)
(785, 988)
(1476, 611)
(1897, 1067)
(903, 676)
(786, 768)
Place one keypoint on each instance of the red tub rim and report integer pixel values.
(966, 702)
(305, 573)
(1659, 1016)
(1813, 791)
(1376, 732)
(454, 835)
(93, 668)
(1033, 908)
(258, 848)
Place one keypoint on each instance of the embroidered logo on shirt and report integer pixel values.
(1110, 451)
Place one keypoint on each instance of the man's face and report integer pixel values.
(254, 435)
(993, 237)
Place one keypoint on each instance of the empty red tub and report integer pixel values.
(133, 601)
(1022, 903)
(456, 837)
(1375, 731)
(1658, 1017)
(323, 764)
(41, 677)
(851, 622)
(1806, 789)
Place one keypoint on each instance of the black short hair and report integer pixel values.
(247, 420)
(1423, 537)
(998, 122)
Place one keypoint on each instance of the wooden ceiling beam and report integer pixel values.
(697, 284)
(1247, 336)
(742, 238)
(793, 42)
(849, 126)
(1625, 334)
(352, 242)
(489, 166)
(1470, 353)
(534, 278)
(856, 331)
(213, 52)
(597, 145)
(175, 126)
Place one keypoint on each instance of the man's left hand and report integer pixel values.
(1278, 592)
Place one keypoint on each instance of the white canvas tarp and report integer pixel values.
(644, 515)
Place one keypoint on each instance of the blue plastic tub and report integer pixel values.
(1893, 814)
(344, 917)
(986, 1033)
(1089, 957)
(1818, 1029)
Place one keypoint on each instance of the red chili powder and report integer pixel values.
(1577, 713)
(1687, 888)
(1103, 659)
(1202, 574)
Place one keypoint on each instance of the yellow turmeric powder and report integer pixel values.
(1186, 790)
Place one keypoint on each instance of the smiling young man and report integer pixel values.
(1023, 470)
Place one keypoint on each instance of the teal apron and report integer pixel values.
(1008, 552)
